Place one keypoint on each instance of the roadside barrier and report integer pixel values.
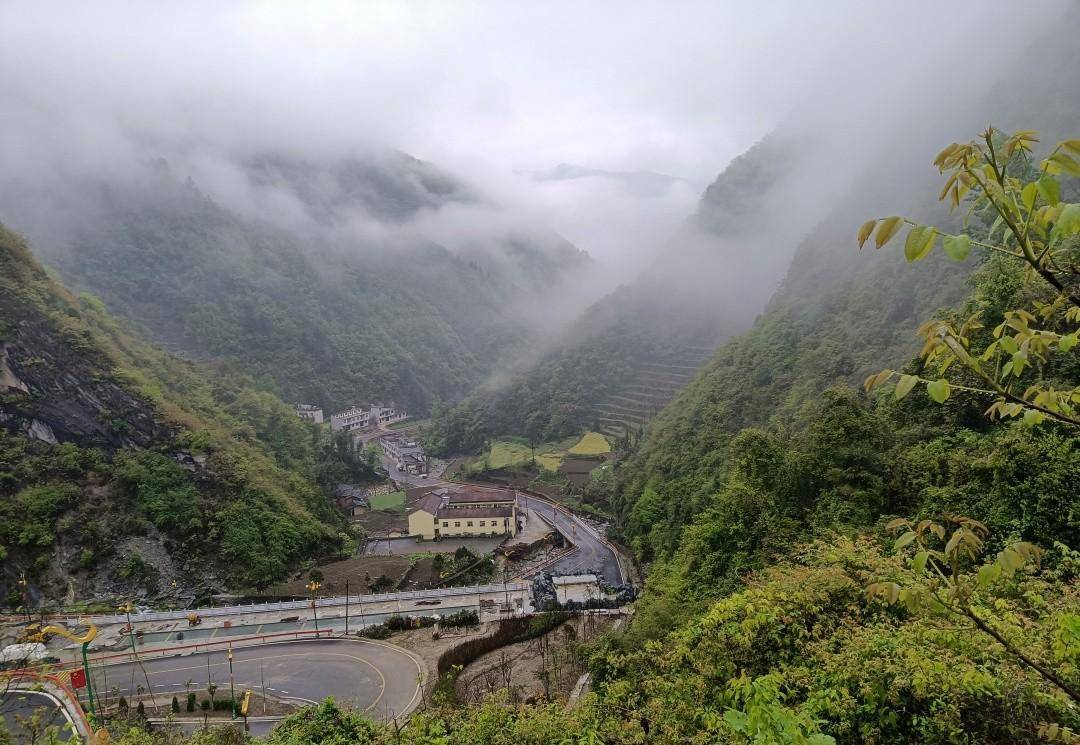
(73, 706)
(289, 605)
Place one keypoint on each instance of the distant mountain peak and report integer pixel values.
(643, 183)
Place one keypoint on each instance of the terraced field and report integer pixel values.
(654, 385)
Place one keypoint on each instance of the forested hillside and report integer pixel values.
(838, 316)
(682, 301)
(315, 282)
(783, 611)
(124, 469)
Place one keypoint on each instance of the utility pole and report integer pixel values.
(232, 685)
(346, 607)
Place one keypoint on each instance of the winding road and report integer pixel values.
(376, 678)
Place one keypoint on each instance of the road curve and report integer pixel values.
(378, 679)
(592, 554)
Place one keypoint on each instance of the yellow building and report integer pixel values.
(464, 512)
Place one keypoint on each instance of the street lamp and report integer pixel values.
(313, 587)
(232, 685)
(26, 602)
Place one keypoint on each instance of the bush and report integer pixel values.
(191, 702)
(461, 618)
(175, 705)
(378, 631)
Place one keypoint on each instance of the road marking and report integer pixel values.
(307, 655)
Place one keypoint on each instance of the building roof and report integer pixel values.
(438, 501)
(460, 512)
(468, 494)
(430, 503)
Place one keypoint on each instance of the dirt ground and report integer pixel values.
(419, 641)
(422, 575)
(361, 572)
(377, 522)
(522, 668)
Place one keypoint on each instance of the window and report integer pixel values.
(457, 524)
(482, 523)
(470, 523)
(445, 524)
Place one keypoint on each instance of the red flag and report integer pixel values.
(78, 679)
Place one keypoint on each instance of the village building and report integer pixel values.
(364, 416)
(407, 454)
(352, 500)
(388, 414)
(350, 420)
(311, 412)
(463, 511)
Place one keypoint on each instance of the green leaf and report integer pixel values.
(939, 390)
(735, 719)
(988, 574)
(865, 230)
(957, 247)
(907, 382)
(1033, 418)
(1068, 222)
(904, 540)
(919, 243)
(1050, 189)
(1009, 344)
(1069, 341)
(1065, 163)
(1028, 195)
(887, 228)
(919, 564)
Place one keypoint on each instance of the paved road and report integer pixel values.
(18, 707)
(377, 678)
(592, 553)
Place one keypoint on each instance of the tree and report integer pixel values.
(945, 577)
(175, 705)
(1039, 231)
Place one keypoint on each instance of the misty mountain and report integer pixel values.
(640, 183)
(389, 186)
(625, 357)
(322, 279)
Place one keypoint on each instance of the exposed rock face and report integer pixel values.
(52, 388)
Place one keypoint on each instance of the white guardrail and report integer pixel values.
(288, 605)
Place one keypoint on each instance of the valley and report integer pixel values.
(488, 374)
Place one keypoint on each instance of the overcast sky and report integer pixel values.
(483, 89)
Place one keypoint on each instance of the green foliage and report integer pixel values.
(162, 489)
(324, 724)
(1041, 234)
(218, 463)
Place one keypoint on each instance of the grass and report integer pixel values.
(549, 461)
(591, 443)
(395, 500)
(510, 452)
